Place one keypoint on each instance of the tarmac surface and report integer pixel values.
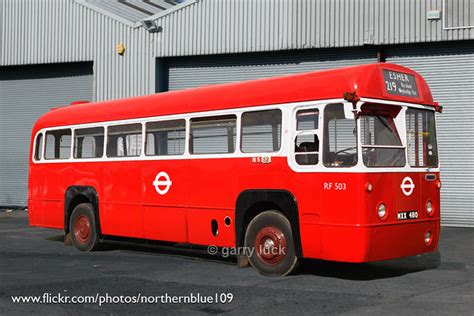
(34, 261)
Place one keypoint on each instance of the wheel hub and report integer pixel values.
(82, 229)
(270, 245)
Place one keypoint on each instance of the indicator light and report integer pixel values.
(369, 187)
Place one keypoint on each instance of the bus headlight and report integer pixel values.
(382, 211)
(429, 207)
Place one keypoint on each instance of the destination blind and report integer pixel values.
(398, 83)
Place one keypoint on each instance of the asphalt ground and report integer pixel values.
(34, 261)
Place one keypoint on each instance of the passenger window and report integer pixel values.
(89, 142)
(213, 135)
(307, 119)
(124, 140)
(307, 140)
(340, 144)
(58, 144)
(165, 138)
(261, 131)
(39, 147)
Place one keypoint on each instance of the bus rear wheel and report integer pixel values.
(82, 227)
(269, 242)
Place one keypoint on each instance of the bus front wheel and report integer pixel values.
(269, 244)
(82, 228)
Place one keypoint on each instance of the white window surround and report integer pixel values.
(288, 131)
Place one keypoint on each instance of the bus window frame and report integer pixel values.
(437, 142)
(106, 141)
(187, 117)
(240, 139)
(210, 118)
(357, 136)
(161, 121)
(287, 136)
(400, 125)
(402, 133)
(104, 146)
(294, 165)
(45, 135)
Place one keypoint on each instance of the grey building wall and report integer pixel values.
(195, 71)
(27, 92)
(233, 26)
(52, 31)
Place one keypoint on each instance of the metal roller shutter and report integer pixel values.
(188, 72)
(27, 92)
(449, 71)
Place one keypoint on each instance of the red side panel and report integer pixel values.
(53, 180)
(122, 199)
(164, 211)
(200, 228)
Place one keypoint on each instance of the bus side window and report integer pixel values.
(261, 131)
(213, 135)
(39, 147)
(307, 140)
(340, 143)
(58, 144)
(124, 140)
(89, 142)
(165, 138)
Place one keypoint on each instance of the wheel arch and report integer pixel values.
(76, 195)
(253, 202)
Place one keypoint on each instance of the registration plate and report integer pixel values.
(407, 215)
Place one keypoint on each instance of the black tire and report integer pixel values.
(82, 227)
(266, 231)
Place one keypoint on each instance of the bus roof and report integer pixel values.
(366, 80)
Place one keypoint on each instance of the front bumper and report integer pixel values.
(378, 242)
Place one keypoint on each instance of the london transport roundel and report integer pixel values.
(407, 186)
(162, 183)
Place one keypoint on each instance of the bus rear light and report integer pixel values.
(369, 187)
(429, 208)
(428, 238)
(382, 211)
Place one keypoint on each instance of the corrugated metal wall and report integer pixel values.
(458, 13)
(188, 72)
(52, 31)
(449, 71)
(233, 26)
(26, 93)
